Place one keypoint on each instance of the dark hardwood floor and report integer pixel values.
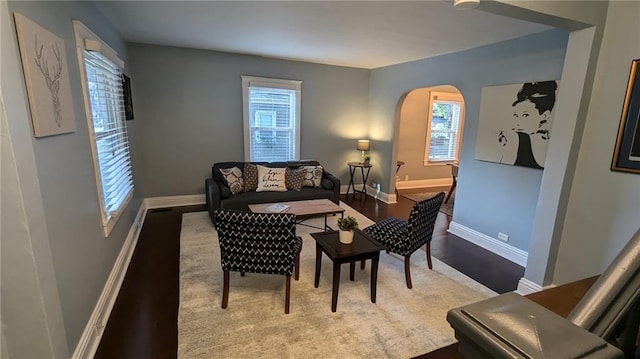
(493, 271)
(143, 323)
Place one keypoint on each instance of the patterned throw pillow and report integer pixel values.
(293, 178)
(233, 177)
(312, 176)
(250, 177)
(271, 179)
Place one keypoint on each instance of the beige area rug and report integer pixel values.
(446, 208)
(402, 323)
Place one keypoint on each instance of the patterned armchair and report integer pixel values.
(405, 237)
(258, 243)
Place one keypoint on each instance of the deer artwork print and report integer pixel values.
(46, 76)
(52, 80)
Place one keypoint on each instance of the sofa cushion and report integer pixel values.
(250, 177)
(293, 178)
(312, 176)
(326, 183)
(271, 179)
(225, 192)
(215, 170)
(233, 178)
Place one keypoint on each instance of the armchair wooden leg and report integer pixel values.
(429, 255)
(407, 271)
(225, 290)
(287, 295)
(362, 264)
(242, 274)
(453, 188)
(297, 267)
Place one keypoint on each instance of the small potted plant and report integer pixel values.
(346, 226)
(367, 159)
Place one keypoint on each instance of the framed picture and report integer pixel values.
(626, 156)
(46, 74)
(515, 123)
(128, 102)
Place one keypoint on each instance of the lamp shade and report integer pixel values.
(363, 145)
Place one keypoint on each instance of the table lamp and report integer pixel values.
(363, 145)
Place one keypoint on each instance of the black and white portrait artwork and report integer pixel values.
(515, 123)
(47, 77)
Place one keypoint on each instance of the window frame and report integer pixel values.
(87, 40)
(435, 96)
(254, 81)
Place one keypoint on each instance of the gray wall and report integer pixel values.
(62, 173)
(490, 197)
(604, 206)
(188, 113)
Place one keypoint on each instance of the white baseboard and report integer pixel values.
(94, 329)
(526, 286)
(174, 201)
(382, 196)
(425, 183)
(496, 246)
(371, 192)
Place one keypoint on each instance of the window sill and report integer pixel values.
(439, 163)
(111, 222)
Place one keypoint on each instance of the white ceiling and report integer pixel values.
(361, 34)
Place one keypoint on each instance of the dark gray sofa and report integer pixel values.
(218, 194)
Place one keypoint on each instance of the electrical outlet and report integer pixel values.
(503, 236)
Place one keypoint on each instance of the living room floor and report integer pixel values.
(143, 323)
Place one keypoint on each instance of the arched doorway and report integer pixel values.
(430, 124)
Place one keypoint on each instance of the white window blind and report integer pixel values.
(445, 128)
(272, 119)
(104, 82)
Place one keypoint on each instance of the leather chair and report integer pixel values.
(258, 243)
(405, 237)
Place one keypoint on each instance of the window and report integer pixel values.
(101, 74)
(271, 119)
(444, 129)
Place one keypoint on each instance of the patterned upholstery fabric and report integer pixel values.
(250, 177)
(312, 176)
(405, 237)
(257, 242)
(293, 178)
(233, 177)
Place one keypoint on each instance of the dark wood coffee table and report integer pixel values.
(362, 248)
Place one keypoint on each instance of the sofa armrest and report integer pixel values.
(336, 186)
(212, 196)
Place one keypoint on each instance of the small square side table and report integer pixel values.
(363, 247)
